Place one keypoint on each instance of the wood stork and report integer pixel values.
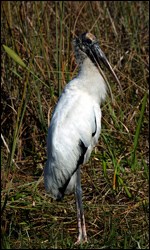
(76, 124)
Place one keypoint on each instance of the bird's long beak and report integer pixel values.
(101, 58)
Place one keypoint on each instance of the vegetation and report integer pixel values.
(37, 61)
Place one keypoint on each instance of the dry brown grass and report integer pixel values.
(115, 181)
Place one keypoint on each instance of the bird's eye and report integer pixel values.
(89, 41)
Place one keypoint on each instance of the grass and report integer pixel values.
(115, 181)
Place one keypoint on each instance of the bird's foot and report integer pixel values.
(81, 240)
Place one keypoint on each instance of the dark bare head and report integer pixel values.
(86, 45)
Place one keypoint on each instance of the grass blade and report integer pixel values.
(137, 133)
(14, 56)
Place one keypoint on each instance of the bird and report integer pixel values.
(76, 125)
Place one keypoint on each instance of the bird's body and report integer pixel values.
(76, 123)
(75, 126)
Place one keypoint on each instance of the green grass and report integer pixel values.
(36, 65)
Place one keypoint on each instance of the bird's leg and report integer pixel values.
(82, 236)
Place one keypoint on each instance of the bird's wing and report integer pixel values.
(74, 130)
(76, 118)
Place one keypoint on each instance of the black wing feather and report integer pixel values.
(62, 189)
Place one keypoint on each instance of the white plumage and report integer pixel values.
(75, 126)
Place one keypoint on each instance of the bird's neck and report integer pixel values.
(92, 81)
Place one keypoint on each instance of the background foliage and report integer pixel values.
(115, 181)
